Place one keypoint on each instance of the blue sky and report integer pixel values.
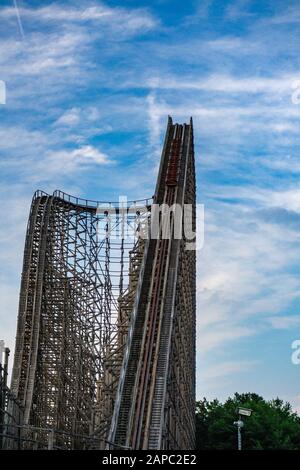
(89, 87)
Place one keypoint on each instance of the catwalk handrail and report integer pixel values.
(91, 202)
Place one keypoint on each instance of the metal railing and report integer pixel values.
(91, 203)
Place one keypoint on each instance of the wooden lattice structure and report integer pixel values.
(105, 346)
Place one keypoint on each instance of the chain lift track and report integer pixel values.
(155, 403)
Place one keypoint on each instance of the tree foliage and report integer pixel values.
(272, 425)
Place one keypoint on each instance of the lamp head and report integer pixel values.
(244, 411)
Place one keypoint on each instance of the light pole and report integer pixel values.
(240, 423)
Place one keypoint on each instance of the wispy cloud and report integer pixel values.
(68, 161)
(227, 368)
(290, 15)
(238, 10)
(209, 339)
(285, 322)
(120, 20)
(228, 84)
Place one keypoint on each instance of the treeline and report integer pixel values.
(272, 424)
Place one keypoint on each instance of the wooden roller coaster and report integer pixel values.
(105, 344)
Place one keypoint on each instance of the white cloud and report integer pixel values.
(227, 368)
(71, 160)
(202, 11)
(44, 157)
(217, 337)
(285, 322)
(289, 199)
(289, 16)
(244, 276)
(120, 20)
(154, 123)
(238, 9)
(69, 118)
(227, 83)
(284, 163)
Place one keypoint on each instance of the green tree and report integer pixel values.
(272, 425)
